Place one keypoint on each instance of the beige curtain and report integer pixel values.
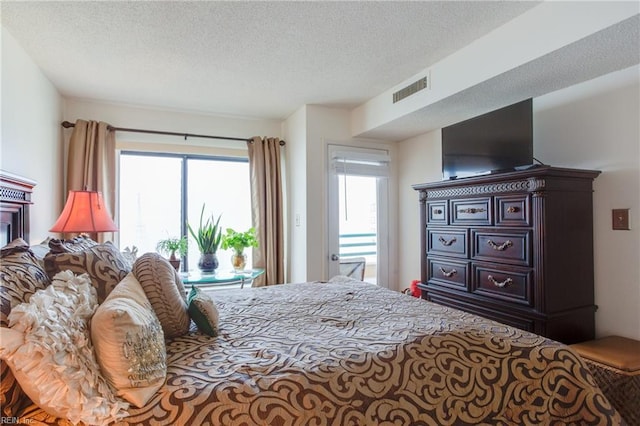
(267, 209)
(91, 164)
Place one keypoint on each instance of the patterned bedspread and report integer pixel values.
(347, 353)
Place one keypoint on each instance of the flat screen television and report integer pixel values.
(497, 141)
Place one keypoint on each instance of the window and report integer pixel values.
(159, 193)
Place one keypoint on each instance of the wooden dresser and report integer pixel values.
(515, 247)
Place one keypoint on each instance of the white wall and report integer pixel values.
(296, 165)
(420, 160)
(31, 143)
(592, 125)
(596, 125)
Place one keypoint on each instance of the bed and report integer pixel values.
(344, 352)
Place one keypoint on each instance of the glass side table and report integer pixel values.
(220, 279)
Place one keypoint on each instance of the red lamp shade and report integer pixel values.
(84, 212)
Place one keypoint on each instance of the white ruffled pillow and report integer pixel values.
(48, 348)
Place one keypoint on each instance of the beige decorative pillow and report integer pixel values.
(50, 353)
(165, 291)
(129, 343)
(21, 276)
(103, 263)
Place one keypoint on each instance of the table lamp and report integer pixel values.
(84, 211)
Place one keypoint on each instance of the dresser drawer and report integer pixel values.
(437, 212)
(467, 212)
(494, 245)
(512, 210)
(448, 273)
(449, 242)
(509, 284)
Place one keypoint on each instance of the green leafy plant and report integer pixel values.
(208, 234)
(171, 246)
(238, 241)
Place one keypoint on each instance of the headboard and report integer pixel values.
(15, 200)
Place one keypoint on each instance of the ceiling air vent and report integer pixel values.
(410, 89)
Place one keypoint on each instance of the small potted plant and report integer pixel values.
(238, 241)
(171, 246)
(207, 236)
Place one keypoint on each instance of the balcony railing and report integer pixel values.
(354, 245)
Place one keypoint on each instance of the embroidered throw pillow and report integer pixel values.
(203, 311)
(103, 263)
(50, 353)
(165, 291)
(129, 343)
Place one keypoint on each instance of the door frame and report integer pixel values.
(383, 214)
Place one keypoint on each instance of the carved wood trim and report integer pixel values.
(533, 184)
(15, 189)
(15, 200)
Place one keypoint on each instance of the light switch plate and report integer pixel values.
(620, 219)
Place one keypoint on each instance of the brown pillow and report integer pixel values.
(76, 244)
(20, 277)
(104, 264)
(165, 291)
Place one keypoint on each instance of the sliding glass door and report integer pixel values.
(160, 193)
(150, 200)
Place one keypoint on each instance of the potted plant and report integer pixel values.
(208, 236)
(171, 246)
(238, 241)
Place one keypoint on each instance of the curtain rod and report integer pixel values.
(67, 124)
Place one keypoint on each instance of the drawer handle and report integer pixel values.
(513, 209)
(448, 274)
(447, 243)
(472, 210)
(437, 211)
(500, 247)
(500, 284)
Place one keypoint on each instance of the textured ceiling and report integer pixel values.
(258, 59)
(266, 59)
(611, 49)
